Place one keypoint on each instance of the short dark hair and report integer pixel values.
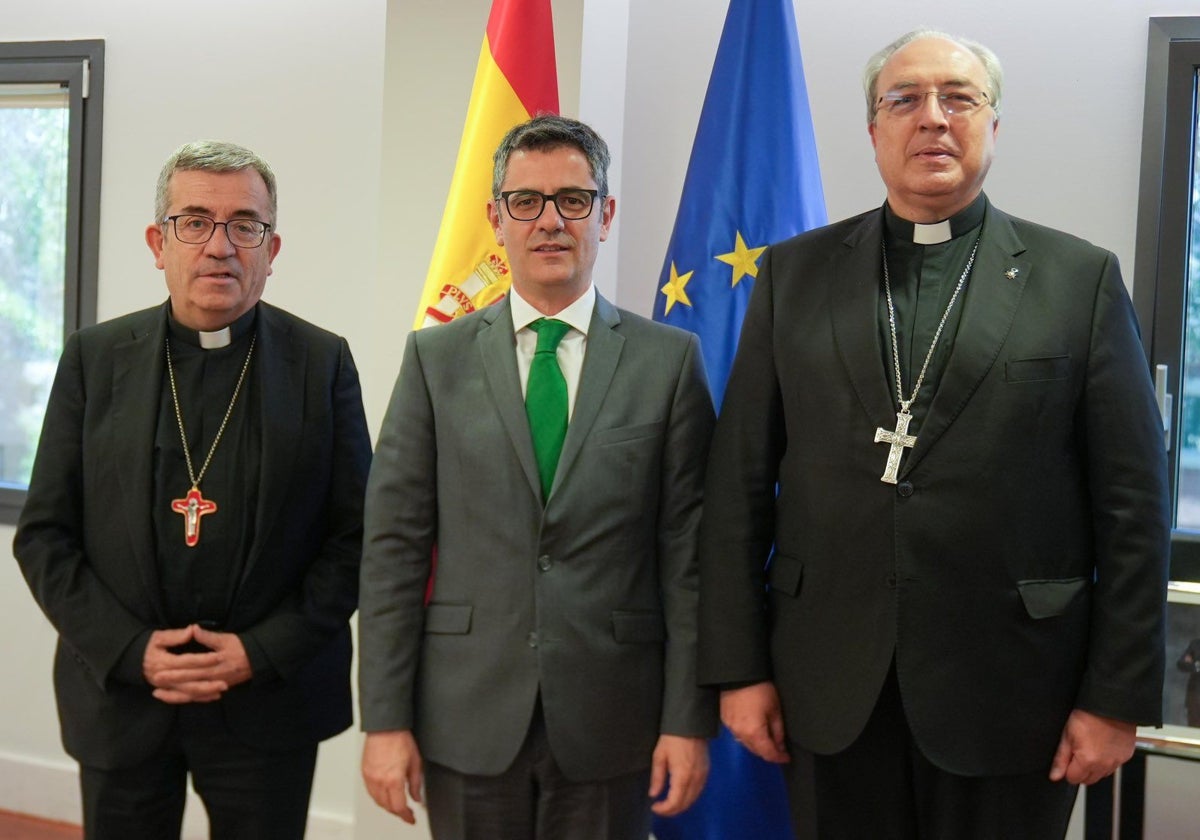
(547, 132)
(212, 156)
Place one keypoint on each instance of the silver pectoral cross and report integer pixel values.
(899, 440)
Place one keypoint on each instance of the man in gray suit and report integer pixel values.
(541, 674)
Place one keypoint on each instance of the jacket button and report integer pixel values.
(891, 581)
(544, 563)
(532, 640)
(905, 488)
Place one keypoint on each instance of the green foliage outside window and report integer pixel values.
(33, 196)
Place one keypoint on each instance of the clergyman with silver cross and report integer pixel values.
(982, 623)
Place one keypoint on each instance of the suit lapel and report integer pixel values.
(855, 308)
(992, 297)
(497, 349)
(135, 403)
(279, 364)
(604, 346)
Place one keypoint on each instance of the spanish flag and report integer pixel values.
(515, 80)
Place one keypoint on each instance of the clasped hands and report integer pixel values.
(194, 677)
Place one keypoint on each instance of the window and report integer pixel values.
(1167, 277)
(50, 130)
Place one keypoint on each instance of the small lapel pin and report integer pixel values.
(1012, 273)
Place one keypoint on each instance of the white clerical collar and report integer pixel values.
(900, 230)
(215, 340)
(934, 234)
(578, 315)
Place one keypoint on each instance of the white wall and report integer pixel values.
(379, 87)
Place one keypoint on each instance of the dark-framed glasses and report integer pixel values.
(956, 102)
(527, 205)
(193, 229)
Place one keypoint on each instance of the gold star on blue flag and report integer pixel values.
(743, 259)
(675, 289)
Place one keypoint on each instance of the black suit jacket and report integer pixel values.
(86, 547)
(1016, 571)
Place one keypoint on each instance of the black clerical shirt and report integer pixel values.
(198, 582)
(923, 278)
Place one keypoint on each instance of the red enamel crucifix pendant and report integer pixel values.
(193, 506)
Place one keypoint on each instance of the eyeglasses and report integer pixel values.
(957, 102)
(196, 230)
(527, 205)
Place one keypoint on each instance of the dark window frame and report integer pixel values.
(79, 67)
(1164, 210)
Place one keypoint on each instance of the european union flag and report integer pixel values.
(753, 179)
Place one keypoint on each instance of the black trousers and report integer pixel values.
(532, 800)
(882, 787)
(248, 794)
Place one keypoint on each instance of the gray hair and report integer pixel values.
(991, 65)
(212, 156)
(545, 133)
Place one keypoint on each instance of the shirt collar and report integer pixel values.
(578, 315)
(964, 221)
(216, 339)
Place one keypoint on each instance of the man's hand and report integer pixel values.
(685, 761)
(1091, 748)
(179, 677)
(755, 718)
(390, 763)
(200, 677)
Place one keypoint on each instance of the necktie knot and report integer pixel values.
(550, 332)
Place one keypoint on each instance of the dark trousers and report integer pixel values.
(882, 787)
(532, 800)
(248, 794)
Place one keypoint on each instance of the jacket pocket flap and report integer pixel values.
(448, 618)
(784, 573)
(641, 626)
(1037, 370)
(1048, 598)
(622, 434)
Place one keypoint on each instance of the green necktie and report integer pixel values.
(546, 399)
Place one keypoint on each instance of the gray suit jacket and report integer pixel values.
(1016, 571)
(590, 601)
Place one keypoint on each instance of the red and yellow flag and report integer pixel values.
(515, 79)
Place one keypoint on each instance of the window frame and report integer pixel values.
(1161, 246)
(79, 67)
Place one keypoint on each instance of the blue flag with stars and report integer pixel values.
(753, 179)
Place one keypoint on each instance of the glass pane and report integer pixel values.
(1187, 511)
(33, 217)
